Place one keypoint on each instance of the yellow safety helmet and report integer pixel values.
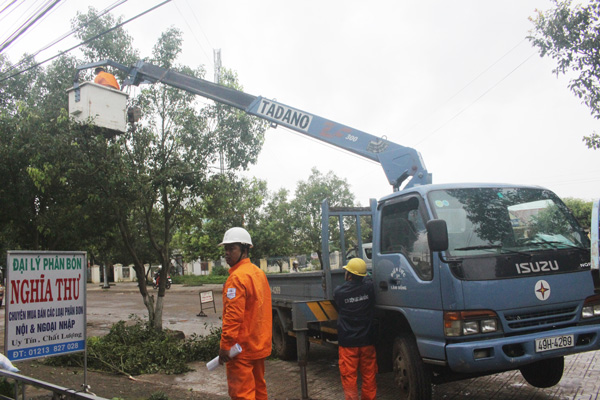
(357, 266)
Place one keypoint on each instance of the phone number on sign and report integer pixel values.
(48, 350)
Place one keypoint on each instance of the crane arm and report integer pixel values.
(398, 162)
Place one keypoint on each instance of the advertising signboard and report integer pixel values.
(45, 303)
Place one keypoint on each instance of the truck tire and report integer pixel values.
(544, 373)
(411, 375)
(284, 345)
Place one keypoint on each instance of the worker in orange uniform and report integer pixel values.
(355, 300)
(105, 79)
(247, 319)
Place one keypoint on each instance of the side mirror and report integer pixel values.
(437, 235)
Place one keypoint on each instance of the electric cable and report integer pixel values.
(192, 30)
(52, 11)
(84, 42)
(64, 36)
(15, 20)
(423, 138)
(28, 24)
(462, 89)
(7, 6)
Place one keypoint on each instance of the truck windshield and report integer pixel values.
(503, 220)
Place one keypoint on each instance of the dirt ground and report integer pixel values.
(182, 306)
(107, 306)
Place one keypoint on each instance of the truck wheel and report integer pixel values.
(411, 375)
(284, 345)
(544, 373)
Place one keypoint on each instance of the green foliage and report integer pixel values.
(116, 45)
(571, 36)
(158, 396)
(581, 209)
(203, 348)
(227, 201)
(136, 348)
(219, 270)
(7, 388)
(199, 280)
(550, 221)
(306, 209)
(272, 234)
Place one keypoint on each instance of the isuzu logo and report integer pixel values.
(542, 290)
(538, 266)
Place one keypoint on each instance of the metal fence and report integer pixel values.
(59, 392)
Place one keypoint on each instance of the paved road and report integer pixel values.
(182, 304)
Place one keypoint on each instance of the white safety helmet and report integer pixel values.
(236, 235)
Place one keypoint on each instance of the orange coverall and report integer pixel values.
(247, 320)
(106, 79)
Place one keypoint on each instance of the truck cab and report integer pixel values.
(509, 288)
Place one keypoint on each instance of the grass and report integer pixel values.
(199, 280)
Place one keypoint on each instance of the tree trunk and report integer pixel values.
(146, 296)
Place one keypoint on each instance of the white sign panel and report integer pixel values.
(45, 304)
(206, 297)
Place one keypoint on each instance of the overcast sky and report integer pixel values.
(456, 80)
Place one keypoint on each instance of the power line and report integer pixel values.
(28, 24)
(15, 21)
(64, 36)
(85, 42)
(473, 102)
(463, 88)
(7, 6)
(40, 21)
(192, 30)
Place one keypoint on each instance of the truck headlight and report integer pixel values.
(464, 323)
(591, 307)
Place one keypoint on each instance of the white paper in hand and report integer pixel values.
(214, 363)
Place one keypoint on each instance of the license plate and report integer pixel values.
(555, 342)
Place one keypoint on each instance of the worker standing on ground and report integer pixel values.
(355, 300)
(247, 319)
(105, 79)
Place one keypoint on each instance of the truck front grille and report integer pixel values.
(540, 319)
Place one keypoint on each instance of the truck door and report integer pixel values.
(403, 271)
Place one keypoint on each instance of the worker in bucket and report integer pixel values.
(247, 319)
(105, 79)
(355, 301)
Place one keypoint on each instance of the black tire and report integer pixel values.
(544, 373)
(284, 345)
(411, 375)
(168, 285)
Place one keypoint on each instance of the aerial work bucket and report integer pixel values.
(106, 106)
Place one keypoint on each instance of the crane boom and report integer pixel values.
(398, 162)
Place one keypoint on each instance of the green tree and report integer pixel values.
(168, 155)
(116, 45)
(227, 201)
(41, 208)
(76, 187)
(306, 209)
(581, 209)
(571, 36)
(273, 234)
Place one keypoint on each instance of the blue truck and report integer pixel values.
(470, 279)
